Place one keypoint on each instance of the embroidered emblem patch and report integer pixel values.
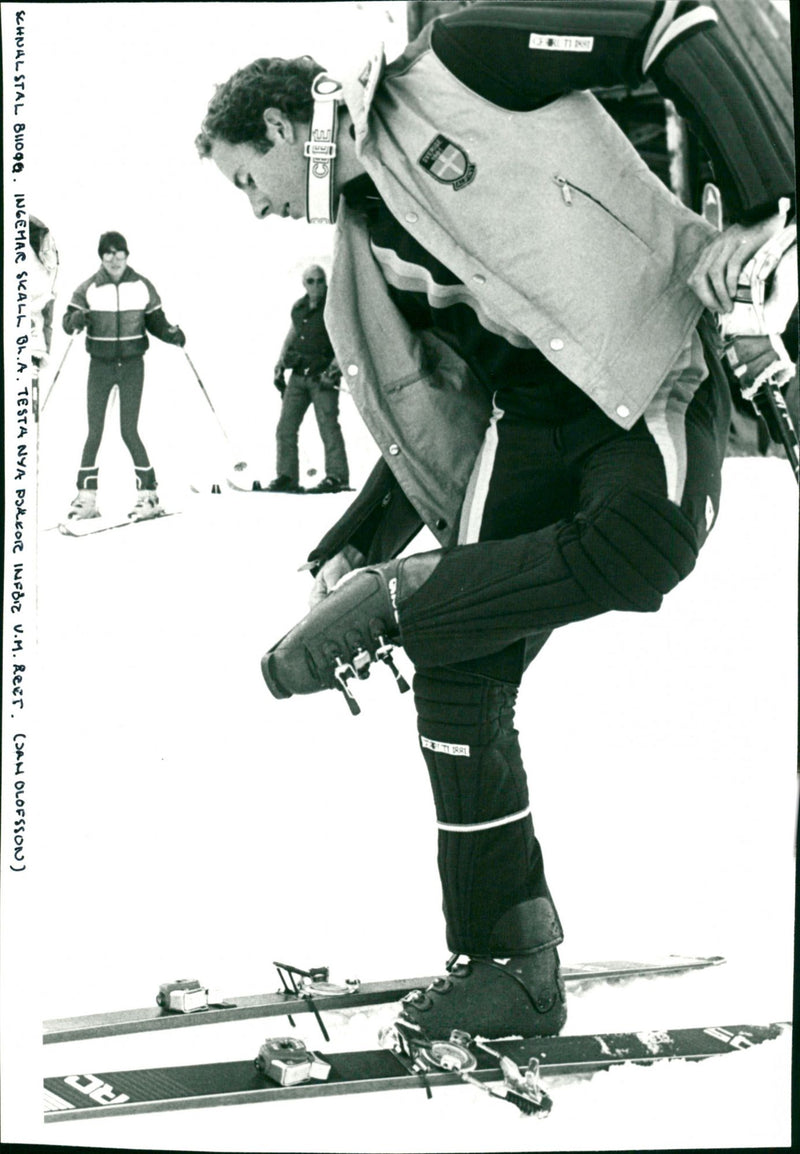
(448, 163)
(562, 43)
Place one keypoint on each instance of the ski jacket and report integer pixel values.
(559, 236)
(118, 315)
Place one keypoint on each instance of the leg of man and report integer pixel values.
(296, 399)
(130, 377)
(326, 410)
(496, 898)
(647, 499)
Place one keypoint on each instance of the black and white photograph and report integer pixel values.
(401, 467)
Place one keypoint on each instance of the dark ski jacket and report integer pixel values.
(307, 349)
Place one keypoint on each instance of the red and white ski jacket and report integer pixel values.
(118, 315)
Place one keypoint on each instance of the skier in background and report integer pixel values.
(118, 308)
(518, 306)
(307, 352)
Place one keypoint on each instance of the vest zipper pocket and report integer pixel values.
(567, 189)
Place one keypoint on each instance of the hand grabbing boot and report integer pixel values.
(356, 624)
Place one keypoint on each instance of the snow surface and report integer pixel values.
(183, 823)
(192, 826)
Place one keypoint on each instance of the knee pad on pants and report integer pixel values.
(630, 552)
(470, 745)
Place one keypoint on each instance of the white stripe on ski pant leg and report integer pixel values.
(476, 827)
(665, 416)
(469, 529)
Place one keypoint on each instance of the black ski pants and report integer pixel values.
(564, 520)
(128, 376)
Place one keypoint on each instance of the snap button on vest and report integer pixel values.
(352, 370)
(394, 450)
(623, 411)
(556, 344)
(411, 218)
(479, 278)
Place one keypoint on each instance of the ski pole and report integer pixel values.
(58, 371)
(239, 464)
(770, 400)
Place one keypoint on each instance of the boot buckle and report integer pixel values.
(384, 653)
(361, 663)
(344, 672)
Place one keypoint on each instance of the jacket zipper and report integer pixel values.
(567, 188)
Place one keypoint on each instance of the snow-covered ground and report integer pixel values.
(190, 825)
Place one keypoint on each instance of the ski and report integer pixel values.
(88, 526)
(285, 1069)
(311, 994)
(245, 485)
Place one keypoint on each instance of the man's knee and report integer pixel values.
(630, 551)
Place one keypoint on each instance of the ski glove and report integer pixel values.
(766, 296)
(74, 321)
(756, 361)
(176, 336)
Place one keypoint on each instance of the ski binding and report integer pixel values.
(522, 1088)
(288, 1062)
(187, 996)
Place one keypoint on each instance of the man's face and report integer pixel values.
(275, 181)
(315, 285)
(115, 261)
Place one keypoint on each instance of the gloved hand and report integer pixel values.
(756, 360)
(279, 379)
(74, 321)
(766, 296)
(176, 336)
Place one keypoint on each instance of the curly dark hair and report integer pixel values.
(235, 112)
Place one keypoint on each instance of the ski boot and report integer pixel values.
(146, 506)
(282, 484)
(496, 998)
(355, 625)
(329, 485)
(84, 506)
